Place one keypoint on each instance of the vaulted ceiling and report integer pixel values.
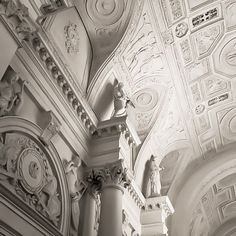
(177, 59)
(178, 62)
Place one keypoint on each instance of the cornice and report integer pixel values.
(116, 126)
(33, 39)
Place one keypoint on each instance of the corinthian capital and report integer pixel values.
(114, 174)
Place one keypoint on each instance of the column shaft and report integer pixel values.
(111, 212)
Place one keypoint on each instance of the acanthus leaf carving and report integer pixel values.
(111, 174)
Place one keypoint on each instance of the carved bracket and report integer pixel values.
(51, 129)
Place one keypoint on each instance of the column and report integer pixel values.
(111, 179)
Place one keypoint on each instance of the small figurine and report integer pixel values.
(71, 169)
(121, 100)
(154, 182)
(10, 101)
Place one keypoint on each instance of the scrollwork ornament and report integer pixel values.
(71, 33)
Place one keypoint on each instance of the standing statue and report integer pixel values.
(154, 182)
(71, 169)
(121, 100)
(10, 100)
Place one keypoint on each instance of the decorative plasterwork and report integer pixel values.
(113, 174)
(174, 10)
(71, 38)
(225, 56)
(60, 80)
(204, 18)
(230, 14)
(26, 171)
(206, 39)
(17, 16)
(215, 207)
(47, 60)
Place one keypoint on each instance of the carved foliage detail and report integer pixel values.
(25, 171)
(112, 174)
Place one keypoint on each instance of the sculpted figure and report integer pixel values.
(120, 100)
(154, 182)
(71, 169)
(18, 17)
(10, 101)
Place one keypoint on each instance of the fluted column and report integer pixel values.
(111, 180)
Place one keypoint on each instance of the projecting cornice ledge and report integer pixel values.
(115, 126)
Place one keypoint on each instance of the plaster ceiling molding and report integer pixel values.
(148, 102)
(106, 22)
(214, 85)
(181, 29)
(218, 100)
(142, 56)
(169, 129)
(218, 204)
(190, 195)
(225, 56)
(197, 70)
(205, 17)
(69, 39)
(209, 149)
(202, 121)
(206, 39)
(198, 225)
(195, 4)
(174, 10)
(230, 14)
(227, 123)
(196, 93)
(185, 50)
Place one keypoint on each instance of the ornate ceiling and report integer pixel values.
(178, 61)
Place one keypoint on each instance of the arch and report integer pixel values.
(19, 127)
(202, 178)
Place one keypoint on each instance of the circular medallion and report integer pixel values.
(31, 170)
(199, 109)
(145, 99)
(181, 29)
(105, 12)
